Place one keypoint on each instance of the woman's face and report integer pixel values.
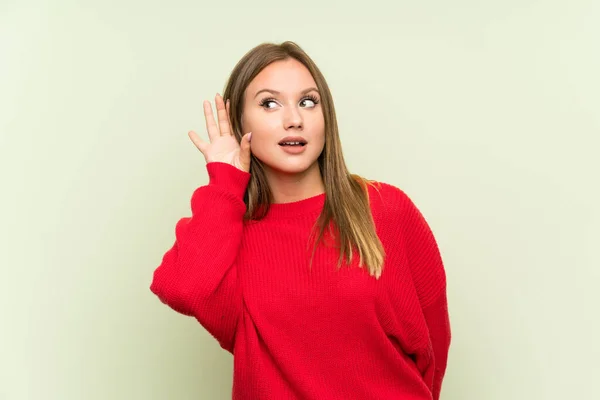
(281, 108)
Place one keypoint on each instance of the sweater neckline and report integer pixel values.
(297, 208)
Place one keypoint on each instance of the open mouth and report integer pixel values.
(293, 142)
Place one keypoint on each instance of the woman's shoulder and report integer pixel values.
(392, 208)
(388, 199)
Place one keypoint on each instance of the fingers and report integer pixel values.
(228, 107)
(199, 143)
(211, 126)
(245, 151)
(222, 114)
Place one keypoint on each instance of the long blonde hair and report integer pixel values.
(346, 209)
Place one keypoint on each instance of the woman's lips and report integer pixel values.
(293, 149)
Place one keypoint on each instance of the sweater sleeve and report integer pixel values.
(429, 278)
(197, 276)
(436, 315)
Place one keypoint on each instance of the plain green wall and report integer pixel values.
(486, 113)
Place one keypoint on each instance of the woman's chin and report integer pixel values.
(292, 167)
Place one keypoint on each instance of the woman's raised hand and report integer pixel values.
(223, 146)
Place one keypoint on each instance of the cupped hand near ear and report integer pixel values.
(223, 146)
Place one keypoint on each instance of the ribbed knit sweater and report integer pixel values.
(319, 332)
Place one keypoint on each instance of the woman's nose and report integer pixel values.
(293, 119)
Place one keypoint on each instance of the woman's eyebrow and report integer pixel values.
(276, 92)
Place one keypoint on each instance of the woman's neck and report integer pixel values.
(287, 188)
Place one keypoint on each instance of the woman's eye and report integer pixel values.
(266, 103)
(308, 103)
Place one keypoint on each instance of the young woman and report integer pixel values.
(323, 285)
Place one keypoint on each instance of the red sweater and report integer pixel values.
(310, 333)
